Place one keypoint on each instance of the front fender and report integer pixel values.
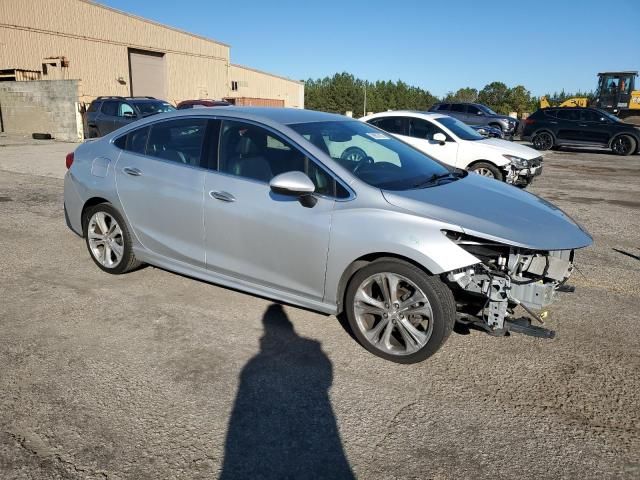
(356, 233)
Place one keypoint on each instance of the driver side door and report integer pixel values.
(255, 235)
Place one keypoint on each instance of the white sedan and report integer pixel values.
(455, 143)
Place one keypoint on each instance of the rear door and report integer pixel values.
(459, 111)
(569, 129)
(105, 120)
(160, 178)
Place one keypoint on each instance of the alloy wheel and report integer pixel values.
(543, 141)
(393, 313)
(106, 241)
(621, 145)
(485, 172)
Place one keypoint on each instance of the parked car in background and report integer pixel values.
(202, 103)
(487, 131)
(477, 114)
(252, 198)
(106, 114)
(452, 142)
(580, 127)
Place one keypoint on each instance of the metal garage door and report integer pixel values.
(148, 75)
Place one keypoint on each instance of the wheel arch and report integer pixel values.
(362, 262)
(544, 130)
(628, 134)
(91, 202)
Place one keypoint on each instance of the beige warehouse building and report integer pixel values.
(115, 53)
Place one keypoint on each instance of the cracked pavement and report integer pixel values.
(155, 375)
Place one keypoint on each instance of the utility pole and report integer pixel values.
(364, 110)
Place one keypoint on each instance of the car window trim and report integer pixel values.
(311, 157)
(149, 126)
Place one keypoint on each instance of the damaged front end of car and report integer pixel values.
(506, 277)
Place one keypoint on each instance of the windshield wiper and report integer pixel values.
(436, 177)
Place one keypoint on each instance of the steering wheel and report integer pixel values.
(365, 161)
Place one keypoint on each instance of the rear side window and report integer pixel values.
(444, 107)
(94, 107)
(571, 115)
(550, 112)
(135, 141)
(458, 107)
(109, 108)
(178, 141)
(390, 124)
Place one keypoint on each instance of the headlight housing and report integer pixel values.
(517, 161)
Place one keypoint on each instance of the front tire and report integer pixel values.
(108, 239)
(398, 312)
(488, 170)
(623, 145)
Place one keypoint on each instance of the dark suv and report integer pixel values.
(106, 114)
(580, 127)
(477, 114)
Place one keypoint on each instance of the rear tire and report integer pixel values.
(398, 312)
(108, 239)
(623, 145)
(542, 141)
(487, 169)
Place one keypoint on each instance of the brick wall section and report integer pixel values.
(47, 106)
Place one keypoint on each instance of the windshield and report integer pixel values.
(373, 156)
(486, 109)
(150, 108)
(459, 129)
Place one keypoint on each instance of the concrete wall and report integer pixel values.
(256, 84)
(46, 106)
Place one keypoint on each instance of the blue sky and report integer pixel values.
(437, 45)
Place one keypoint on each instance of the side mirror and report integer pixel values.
(479, 112)
(295, 184)
(440, 138)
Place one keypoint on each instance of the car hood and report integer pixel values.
(492, 210)
(509, 148)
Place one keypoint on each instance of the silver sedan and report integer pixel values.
(273, 202)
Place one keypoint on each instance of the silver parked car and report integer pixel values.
(266, 201)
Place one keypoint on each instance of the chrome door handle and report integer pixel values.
(135, 172)
(224, 196)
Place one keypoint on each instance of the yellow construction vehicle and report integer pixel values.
(616, 93)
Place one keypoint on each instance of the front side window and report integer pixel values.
(178, 141)
(459, 129)
(390, 124)
(487, 110)
(125, 110)
(458, 107)
(109, 108)
(473, 110)
(423, 129)
(373, 156)
(253, 152)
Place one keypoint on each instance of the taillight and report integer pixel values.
(69, 160)
(529, 121)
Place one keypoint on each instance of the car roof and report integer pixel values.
(409, 113)
(283, 116)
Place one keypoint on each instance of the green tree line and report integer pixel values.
(344, 92)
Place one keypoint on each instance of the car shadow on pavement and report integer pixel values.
(282, 424)
(631, 255)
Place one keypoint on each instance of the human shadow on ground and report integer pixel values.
(282, 425)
